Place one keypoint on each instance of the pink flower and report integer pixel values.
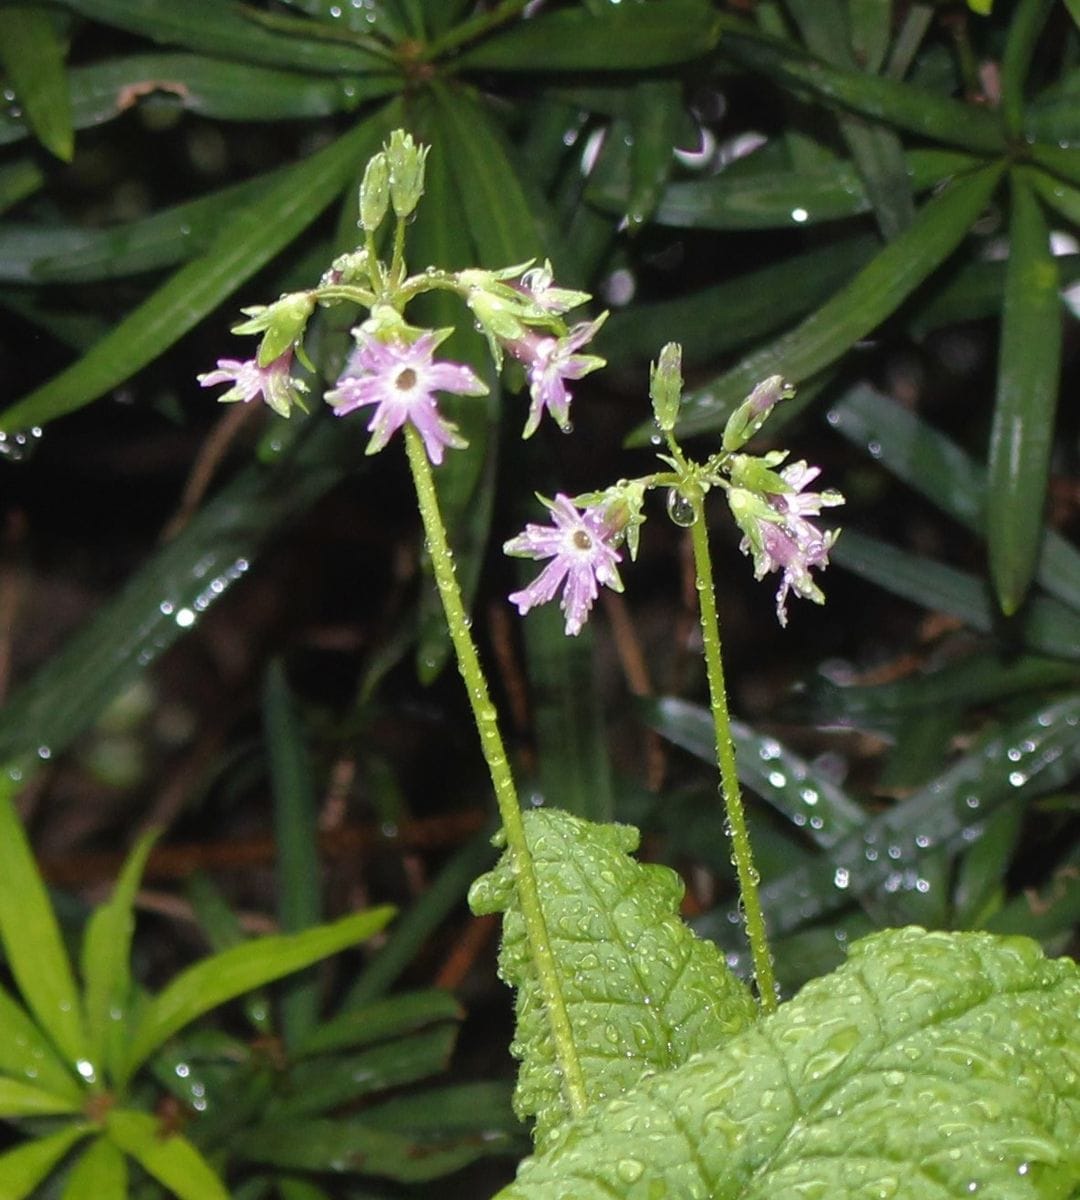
(780, 536)
(399, 378)
(549, 362)
(250, 381)
(580, 543)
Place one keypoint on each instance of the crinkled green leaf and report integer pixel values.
(930, 1066)
(106, 969)
(168, 1157)
(614, 38)
(1022, 432)
(225, 29)
(641, 992)
(875, 292)
(229, 974)
(32, 58)
(100, 1172)
(31, 937)
(26, 1165)
(245, 242)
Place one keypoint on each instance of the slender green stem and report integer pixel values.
(725, 753)
(491, 743)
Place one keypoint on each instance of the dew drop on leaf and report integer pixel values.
(679, 509)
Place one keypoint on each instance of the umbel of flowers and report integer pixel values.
(394, 376)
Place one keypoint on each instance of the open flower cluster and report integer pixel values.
(394, 374)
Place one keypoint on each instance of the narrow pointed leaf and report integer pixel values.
(246, 242)
(171, 1159)
(656, 118)
(19, 179)
(103, 91)
(612, 39)
(807, 799)
(897, 104)
(229, 974)
(642, 993)
(1022, 433)
(853, 312)
(100, 1172)
(29, 1163)
(106, 950)
(33, 61)
(1046, 626)
(940, 470)
(222, 28)
(178, 583)
(21, 1099)
(1025, 28)
(1031, 755)
(348, 1144)
(295, 834)
(913, 1042)
(784, 199)
(393, 1017)
(756, 303)
(31, 937)
(25, 1053)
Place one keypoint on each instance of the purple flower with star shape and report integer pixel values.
(400, 378)
(781, 537)
(549, 362)
(249, 381)
(581, 546)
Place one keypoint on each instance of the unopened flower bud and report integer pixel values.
(665, 386)
(406, 161)
(374, 193)
(749, 417)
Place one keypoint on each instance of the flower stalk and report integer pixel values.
(742, 855)
(491, 744)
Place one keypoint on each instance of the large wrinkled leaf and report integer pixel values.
(31, 937)
(929, 1066)
(229, 974)
(641, 992)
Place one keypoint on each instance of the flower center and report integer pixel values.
(406, 379)
(581, 540)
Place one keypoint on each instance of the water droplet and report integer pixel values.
(679, 509)
(17, 447)
(842, 878)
